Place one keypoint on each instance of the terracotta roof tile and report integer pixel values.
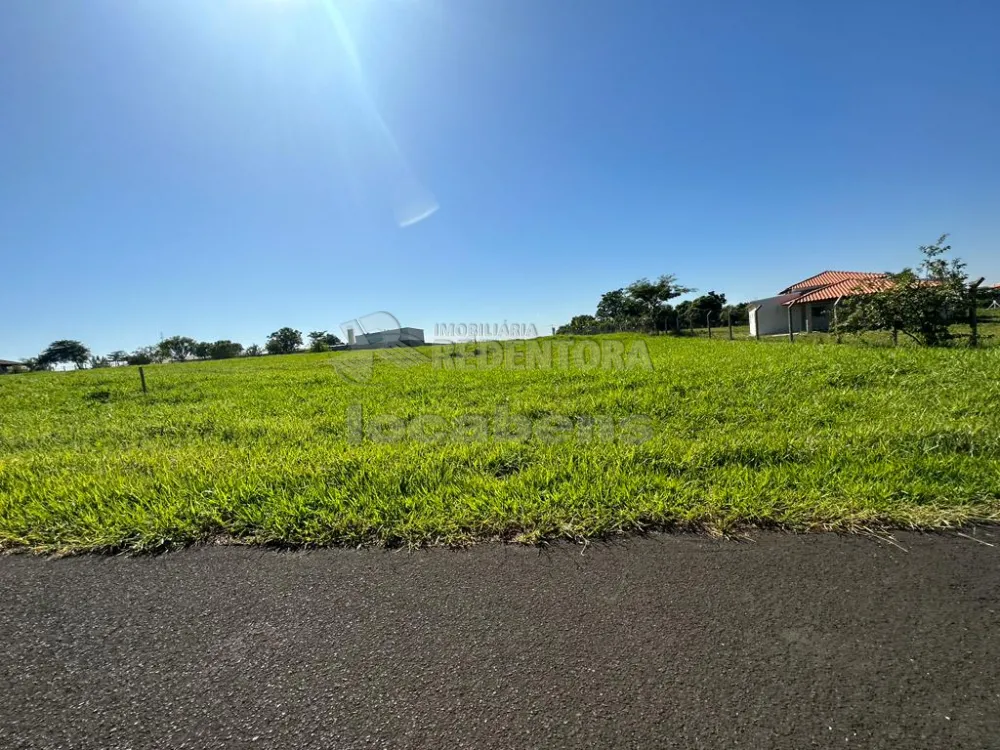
(850, 287)
(830, 277)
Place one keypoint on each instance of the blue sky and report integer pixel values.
(221, 168)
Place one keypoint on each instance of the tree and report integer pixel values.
(647, 295)
(710, 304)
(653, 295)
(618, 310)
(253, 351)
(612, 305)
(65, 351)
(740, 313)
(177, 348)
(118, 357)
(921, 303)
(685, 313)
(98, 363)
(144, 355)
(202, 350)
(317, 341)
(640, 305)
(580, 324)
(665, 318)
(284, 341)
(321, 341)
(35, 364)
(224, 349)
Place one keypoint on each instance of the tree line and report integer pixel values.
(644, 307)
(923, 303)
(178, 349)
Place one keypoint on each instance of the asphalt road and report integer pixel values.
(669, 641)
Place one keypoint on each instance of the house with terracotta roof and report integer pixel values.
(809, 305)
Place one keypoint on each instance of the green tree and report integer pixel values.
(665, 318)
(652, 296)
(65, 351)
(321, 341)
(316, 343)
(253, 351)
(612, 305)
(921, 303)
(284, 341)
(224, 349)
(145, 355)
(35, 364)
(686, 313)
(580, 324)
(618, 310)
(118, 357)
(642, 305)
(177, 348)
(202, 349)
(740, 314)
(710, 304)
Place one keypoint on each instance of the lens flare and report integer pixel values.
(412, 201)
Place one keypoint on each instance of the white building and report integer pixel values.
(385, 339)
(809, 305)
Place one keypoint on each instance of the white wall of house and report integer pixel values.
(771, 317)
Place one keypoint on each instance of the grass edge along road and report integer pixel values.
(701, 434)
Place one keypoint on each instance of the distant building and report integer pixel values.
(7, 365)
(808, 305)
(385, 339)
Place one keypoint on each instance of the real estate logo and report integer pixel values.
(499, 426)
(377, 335)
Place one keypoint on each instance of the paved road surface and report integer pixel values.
(669, 641)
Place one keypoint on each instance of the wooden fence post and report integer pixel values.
(791, 333)
(974, 312)
(142, 378)
(708, 322)
(730, 321)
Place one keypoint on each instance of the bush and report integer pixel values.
(921, 303)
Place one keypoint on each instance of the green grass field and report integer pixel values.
(702, 434)
(989, 334)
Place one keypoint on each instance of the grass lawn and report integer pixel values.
(989, 334)
(705, 434)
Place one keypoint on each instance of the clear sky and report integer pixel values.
(221, 168)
